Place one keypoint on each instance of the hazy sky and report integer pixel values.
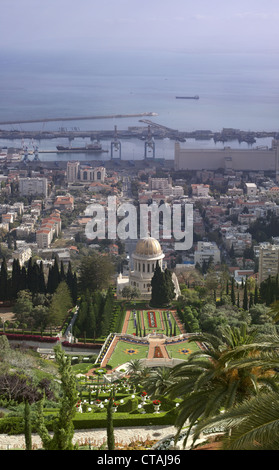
(186, 25)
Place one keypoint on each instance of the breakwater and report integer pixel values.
(75, 118)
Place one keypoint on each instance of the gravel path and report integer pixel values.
(96, 436)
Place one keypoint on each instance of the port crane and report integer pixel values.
(149, 144)
(115, 145)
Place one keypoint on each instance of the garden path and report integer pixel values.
(153, 342)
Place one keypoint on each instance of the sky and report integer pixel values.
(182, 25)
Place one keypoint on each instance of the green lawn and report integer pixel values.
(182, 349)
(126, 351)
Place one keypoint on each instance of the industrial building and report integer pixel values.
(228, 159)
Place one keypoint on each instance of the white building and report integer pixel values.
(147, 253)
(44, 237)
(201, 190)
(23, 254)
(31, 186)
(251, 189)
(206, 251)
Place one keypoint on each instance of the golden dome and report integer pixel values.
(148, 247)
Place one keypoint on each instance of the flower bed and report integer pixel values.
(158, 352)
(152, 320)
(22, 337)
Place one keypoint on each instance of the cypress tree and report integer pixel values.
(227, 288)
(251, 302)
(23, 279)
(16, 274)
(110, 430)
(245, 297)
(62, 272)
(232, 292)
(29, 274)
(158, 287)
(170, 292)
(41, 282)
(27, 427)
(55, 274)
(63, 429)
(74, 290)
(256, 295)
(4, 281)
(69, 276)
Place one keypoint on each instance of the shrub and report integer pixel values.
(12, 425)
(130, 405)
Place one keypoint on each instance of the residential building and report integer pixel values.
(206, 251)
(200, 190)
(251, 189)
(72, 171)
(268, 261)
(159, 183)
(64, 203)
(23, 254)
(32, 186)
(50, 227)
(44, 237)
(84, 173)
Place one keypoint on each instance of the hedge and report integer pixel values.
(81, 345)
(124, 419)
(15, 425)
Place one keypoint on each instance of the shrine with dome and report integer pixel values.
(145, 257)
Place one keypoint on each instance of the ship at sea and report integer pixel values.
(96, 147)
(196, 97)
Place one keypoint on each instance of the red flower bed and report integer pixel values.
(152, 319)
(41, 339)
(157, 352)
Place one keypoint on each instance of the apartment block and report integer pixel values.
(32, 186)
(64, 203)
(84, 173)
(206, 251)
(268, 261)
(50, 227)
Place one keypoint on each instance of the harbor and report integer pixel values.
(140, 132)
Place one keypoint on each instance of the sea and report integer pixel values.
(239, 91)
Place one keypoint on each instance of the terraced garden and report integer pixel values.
(144, 322)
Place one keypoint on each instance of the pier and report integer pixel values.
(76, 118)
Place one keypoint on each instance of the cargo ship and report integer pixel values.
(90, 148)
(196, 97)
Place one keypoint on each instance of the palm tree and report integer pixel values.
(157, 381)
(137, 372)
(225, 372)
(134, 366)
(275, 311)
(252, 425)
